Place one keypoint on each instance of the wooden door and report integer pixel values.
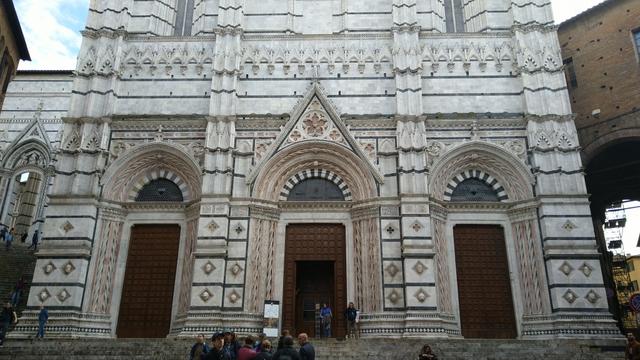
(484, 286)
(147, 293)
(315, 272)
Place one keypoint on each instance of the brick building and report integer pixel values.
(601, 53)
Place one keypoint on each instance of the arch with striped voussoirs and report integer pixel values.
(487, 179)
(159, 174)
(315, 174)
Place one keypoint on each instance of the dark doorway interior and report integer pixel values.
(314, 286)
(315, 272)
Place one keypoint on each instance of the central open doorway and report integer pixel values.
(315, 273)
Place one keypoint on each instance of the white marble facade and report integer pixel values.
(236, 97)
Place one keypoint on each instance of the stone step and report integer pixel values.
(379, 349)
(14, 263)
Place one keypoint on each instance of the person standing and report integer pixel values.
(231, 345)
(265, 351)
(326, 315)
(632, 352)
(34, 242)
(8, 238)
(287, 352)
(351, 314)
(246, 352)
(217, 344)
(199, 348)
(7, 317)
(18, 289)
(427, 354)
(3, 232)
(284, 334)
(43, 317)
(307, 352)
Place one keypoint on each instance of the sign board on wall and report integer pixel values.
(271, 318)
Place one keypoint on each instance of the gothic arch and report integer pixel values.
(315, 174)
(307, 155)
(481, 156)
(144, 163)
(18, 156)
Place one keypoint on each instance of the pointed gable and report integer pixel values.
(315, 119)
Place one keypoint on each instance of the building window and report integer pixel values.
(570, 72)
(631, 266)
(454, 15)
(636, 41)
(184, 18)
(634, 284)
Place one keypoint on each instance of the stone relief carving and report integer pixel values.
(315, 124)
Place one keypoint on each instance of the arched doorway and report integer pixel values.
(150, 275)
(613, 177)
(491, 258)
(146, 240)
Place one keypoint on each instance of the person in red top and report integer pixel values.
(246, 352)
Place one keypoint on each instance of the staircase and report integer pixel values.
(14, 263)
(378, 349)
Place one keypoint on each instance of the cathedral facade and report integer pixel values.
(416, 157)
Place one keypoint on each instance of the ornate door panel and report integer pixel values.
(484, 286)
(315, 272)
(147, 292)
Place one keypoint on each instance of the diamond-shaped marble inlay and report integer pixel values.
(416, 226)
(67, 226)
(566, 268)
(394, 297)
(392, 269)
(63, 295)
(44, 295)
(421, 295)
(592, 297)
(586, 269)
(208, 267)
(419, 268)
(68, 268)
(569, 226)
(234, 297)
(236, 269)
(570, 296)
(49, 268)
(206, 295)
(213, 226)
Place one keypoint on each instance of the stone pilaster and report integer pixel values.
(573, 273)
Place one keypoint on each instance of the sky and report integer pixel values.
(52, 30)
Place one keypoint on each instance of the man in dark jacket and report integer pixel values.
(215, 353)
(351, 314)
(287, 352)
(307, 352)
(7, 317)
